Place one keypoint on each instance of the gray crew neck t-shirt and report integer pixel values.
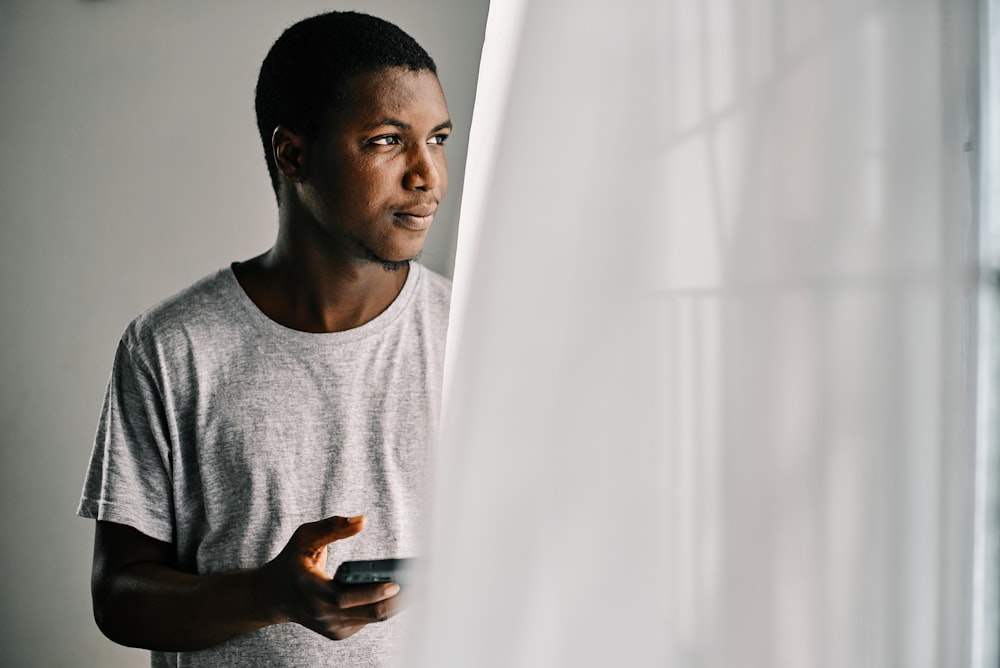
(222, 431)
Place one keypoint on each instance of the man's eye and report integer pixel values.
(438, 139)
(387, 140)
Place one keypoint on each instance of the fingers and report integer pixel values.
(338, 612)
(353, 607)
(343, 632)
(316, 602)
(375, 612)
(312, 537)
(352, 596)
(370, 611)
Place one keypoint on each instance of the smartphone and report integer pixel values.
(372, 571)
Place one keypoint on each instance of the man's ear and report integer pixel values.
(287, 148)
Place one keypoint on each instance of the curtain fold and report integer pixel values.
(711, 378)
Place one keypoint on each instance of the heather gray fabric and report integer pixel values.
(222, 431)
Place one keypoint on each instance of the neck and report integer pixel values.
(306, 285)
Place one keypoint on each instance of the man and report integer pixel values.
(247, 416)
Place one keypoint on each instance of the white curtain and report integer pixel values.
(711, 394)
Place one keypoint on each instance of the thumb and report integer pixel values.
(311, 537)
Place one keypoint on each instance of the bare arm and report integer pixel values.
(142, 599)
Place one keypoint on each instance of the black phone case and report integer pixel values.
(370, 571)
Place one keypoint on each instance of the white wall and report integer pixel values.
(131, 167)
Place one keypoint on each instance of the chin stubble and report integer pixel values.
(389, 265)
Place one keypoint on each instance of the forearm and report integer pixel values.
(142, 599)
(157, 607)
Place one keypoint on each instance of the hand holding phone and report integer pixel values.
(295, 586)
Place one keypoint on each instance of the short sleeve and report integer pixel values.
(129, 477)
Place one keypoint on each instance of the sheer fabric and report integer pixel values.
(711, 390)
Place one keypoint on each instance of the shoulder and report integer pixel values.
(433, 288)
(426, 303)
(195, 311)
(432, 298)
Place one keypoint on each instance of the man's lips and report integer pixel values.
(418, 219)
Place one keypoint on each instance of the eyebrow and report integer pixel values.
(404, 126)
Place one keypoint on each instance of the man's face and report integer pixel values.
(377, 172)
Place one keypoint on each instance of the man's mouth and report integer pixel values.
(416, 220)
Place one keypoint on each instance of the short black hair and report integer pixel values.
(304, 74)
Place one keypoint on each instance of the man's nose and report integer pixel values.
(422, 172)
